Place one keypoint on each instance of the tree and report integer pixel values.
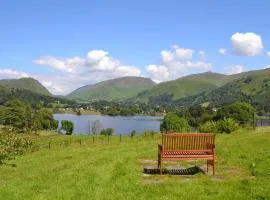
(107, 131)
(96, 126)
(43, 119)
(239, 111)
(18, 115)
(67, 126)
(173, 123)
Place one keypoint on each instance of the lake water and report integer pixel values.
(121, 125)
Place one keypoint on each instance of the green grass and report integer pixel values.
(113, 170)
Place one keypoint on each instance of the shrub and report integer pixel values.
(173, 123)
(227, 125)
(209, 127)
(133, 133)
(55, 124)
(107, 131)
(12, 144)
(67, 126)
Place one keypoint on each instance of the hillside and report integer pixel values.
(185, 86)
(26, 84)
(26, 95)
(253, 87)
(114, 89)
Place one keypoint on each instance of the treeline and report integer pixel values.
(20, 117)
(125, 108)
(206, 119)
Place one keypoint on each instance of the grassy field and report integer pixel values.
(76, 168)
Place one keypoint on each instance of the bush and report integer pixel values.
(133, 133)
(67, 126)
(107, 131)
(173, 123)
(12, 144)
(209, 127)
(55, 124)
(227, 125)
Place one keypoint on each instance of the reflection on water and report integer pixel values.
(121, 125)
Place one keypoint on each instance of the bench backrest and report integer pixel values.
(187, 141)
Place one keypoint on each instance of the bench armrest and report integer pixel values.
(210, 146)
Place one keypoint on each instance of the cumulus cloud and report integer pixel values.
(11, 73)
(158, 72)
(246, 44)
(222, 51)
(97, 66)
(235, 69)
(177, 62)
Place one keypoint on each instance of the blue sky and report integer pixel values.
(67, 44)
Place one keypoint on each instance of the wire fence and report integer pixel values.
(52, 142)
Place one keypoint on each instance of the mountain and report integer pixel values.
(114, 89)
(184, 86)
(26, 84)
(32, 98)
(252, 87)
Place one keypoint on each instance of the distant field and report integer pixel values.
(76, 168)
(83, 112)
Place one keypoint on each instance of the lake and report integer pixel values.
(121, 125)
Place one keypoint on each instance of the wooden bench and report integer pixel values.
(187, 146)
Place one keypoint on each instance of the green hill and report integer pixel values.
(185, 86)
(253, 87)
(114, 89)
(26, 84)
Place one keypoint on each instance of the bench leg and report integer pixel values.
(212, 163)
(213, 167)
(160, 168)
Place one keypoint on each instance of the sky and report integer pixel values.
(66, 44)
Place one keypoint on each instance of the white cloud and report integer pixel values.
(246, 44)
(166, 56)
(63, 64)
(268, 54)
(175, 63)
(158, 72)
(222, 51)
(235, 69)
(97, 66)
(183, 54)
(11, 73)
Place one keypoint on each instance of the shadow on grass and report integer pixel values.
(8, 165)
(174, 171)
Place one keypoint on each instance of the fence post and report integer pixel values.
(80, 141)
(93, 139)
(49, 144)
(120, 137)
(254, 125)
(108, 138)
